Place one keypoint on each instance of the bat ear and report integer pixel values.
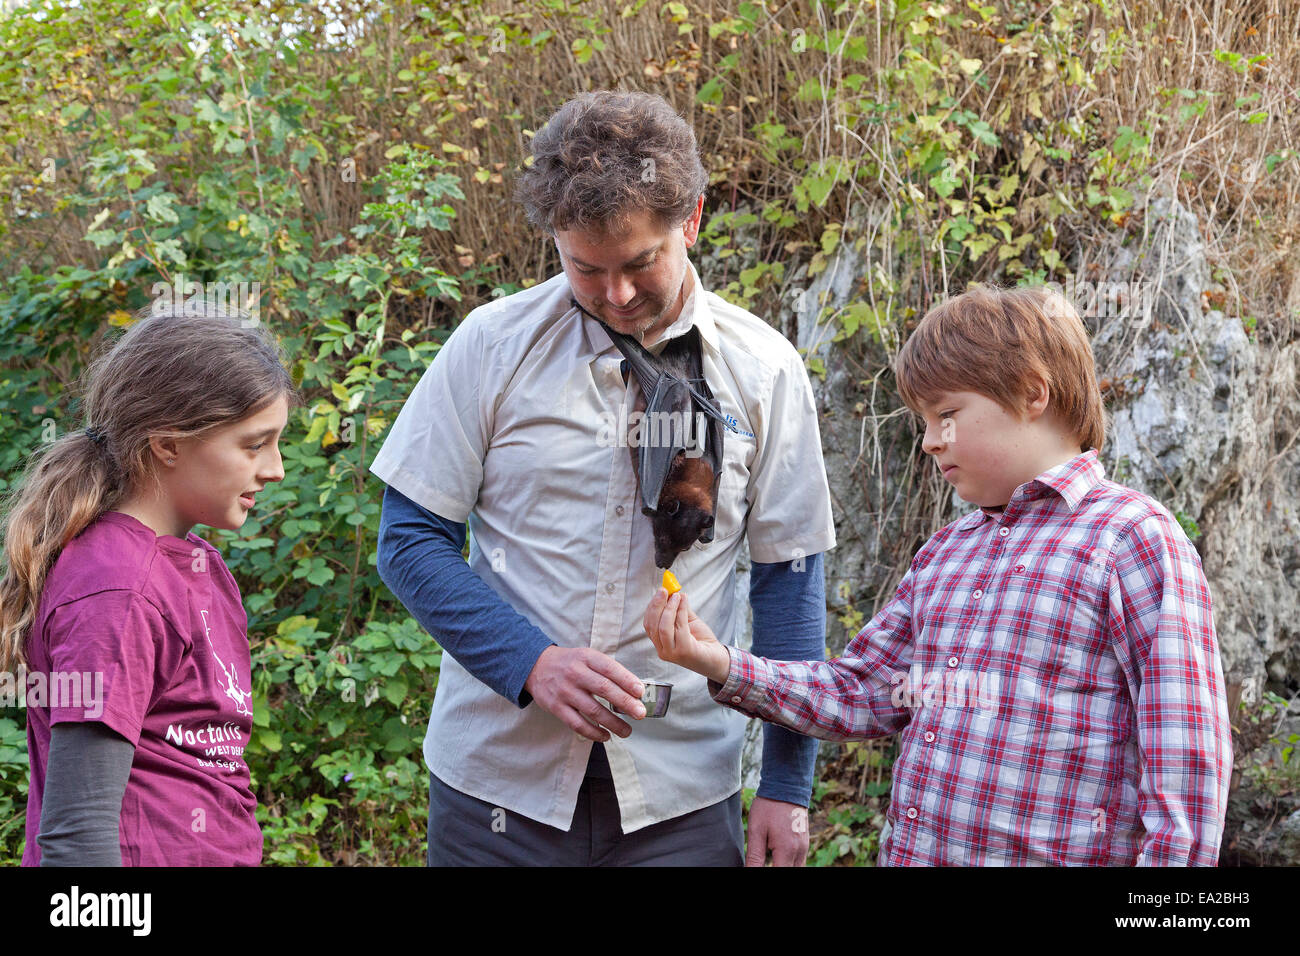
(706, 530)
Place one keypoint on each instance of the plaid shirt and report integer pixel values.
(1055, 676)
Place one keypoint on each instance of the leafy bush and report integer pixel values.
(343, 677)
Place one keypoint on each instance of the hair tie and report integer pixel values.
(95, 435)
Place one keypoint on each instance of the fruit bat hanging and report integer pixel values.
(677, 457)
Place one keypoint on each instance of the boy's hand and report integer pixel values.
(682, 638)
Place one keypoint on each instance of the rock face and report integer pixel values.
(1206, 421)
(1203, 418)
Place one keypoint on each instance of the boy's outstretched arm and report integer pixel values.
(848, 698)
(1162, 628)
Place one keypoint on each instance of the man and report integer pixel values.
(517, 427)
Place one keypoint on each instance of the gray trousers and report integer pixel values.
(464, 831)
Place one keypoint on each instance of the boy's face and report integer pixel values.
(984, 451)
(643, 267)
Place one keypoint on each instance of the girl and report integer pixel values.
(139, 693)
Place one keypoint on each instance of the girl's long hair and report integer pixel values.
(173, 374)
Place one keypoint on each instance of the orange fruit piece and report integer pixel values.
(670, 582)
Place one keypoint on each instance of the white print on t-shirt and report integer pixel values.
(223, 764)
(243, 699)
(226, 741)
(217, 740)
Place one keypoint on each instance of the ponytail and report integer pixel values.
(67, 486)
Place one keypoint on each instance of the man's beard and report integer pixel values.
(643, 325)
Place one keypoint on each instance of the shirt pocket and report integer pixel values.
(1062, 640)
(733, 488)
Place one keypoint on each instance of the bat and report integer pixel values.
(678, 490)
(677, 452)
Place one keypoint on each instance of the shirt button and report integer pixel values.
(618, 510)
(953, 662)
(735, 700)
(1020, 569)
(911, 813)
(929, 736)
(609, 589)
(977, 594)
(1003, 532)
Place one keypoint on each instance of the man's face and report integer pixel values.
(633, 280)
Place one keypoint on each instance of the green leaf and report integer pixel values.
(710, 92)
(102, 238)
(395, 691)
(320, 575)
(318, 426)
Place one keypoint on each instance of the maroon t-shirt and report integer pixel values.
(148, 635)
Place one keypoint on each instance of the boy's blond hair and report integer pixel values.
(998, 342)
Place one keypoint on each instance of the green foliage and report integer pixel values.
(1266, 749)
(849, 805)
(851, 837)
(200, 177)
(13, 790)
(1188, 524)
(351, 668)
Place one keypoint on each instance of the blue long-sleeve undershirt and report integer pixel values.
(421, 562)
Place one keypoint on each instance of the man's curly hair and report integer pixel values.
(604, 156)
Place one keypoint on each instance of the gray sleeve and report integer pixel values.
(81, 807)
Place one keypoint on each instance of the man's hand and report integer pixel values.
(566, 680)
(777, 827)
(682, 638)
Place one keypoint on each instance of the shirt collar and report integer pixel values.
(1070, 481)
(695, 312)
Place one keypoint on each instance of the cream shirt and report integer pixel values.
(517, 429)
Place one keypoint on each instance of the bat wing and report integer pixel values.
(662, 439)
(648, 375)
(682, 398)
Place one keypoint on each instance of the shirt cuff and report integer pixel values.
(524, 669)
(744, 689)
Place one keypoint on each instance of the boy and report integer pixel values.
(1049, 659)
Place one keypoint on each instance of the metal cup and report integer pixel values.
(654, 697)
